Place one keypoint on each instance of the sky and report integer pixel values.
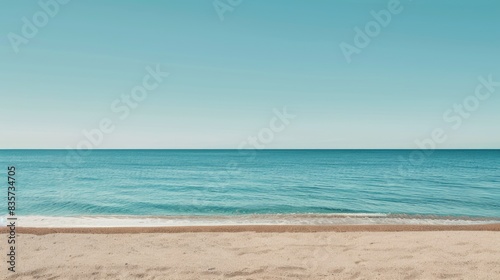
(249, 74)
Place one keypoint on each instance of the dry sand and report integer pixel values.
(259, 253)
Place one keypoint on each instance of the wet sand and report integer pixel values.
(259, 228)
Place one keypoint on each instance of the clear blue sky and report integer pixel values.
(226, 77)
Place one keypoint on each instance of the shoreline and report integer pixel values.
(252, 228)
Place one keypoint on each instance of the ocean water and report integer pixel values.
(222, 183)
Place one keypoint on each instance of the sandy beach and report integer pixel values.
(259, 252)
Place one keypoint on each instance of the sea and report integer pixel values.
(206, 187)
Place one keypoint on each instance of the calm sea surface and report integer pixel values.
(232, 182)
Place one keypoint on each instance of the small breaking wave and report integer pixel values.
(264, 219)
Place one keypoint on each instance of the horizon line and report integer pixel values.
(233, 149)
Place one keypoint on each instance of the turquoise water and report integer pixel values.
(230, 182)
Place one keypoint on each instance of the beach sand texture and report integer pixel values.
(258, 255)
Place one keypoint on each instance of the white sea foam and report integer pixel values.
(289, 219)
